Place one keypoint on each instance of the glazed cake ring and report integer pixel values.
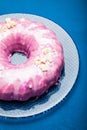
(44, 64)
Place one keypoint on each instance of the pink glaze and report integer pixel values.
(44, 65)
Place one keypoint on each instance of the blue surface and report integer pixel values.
(71, 114)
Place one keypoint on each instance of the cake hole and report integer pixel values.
(18, 58)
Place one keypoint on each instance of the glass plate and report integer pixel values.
(55, 94)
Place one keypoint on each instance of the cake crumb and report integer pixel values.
(43, 60)
(10, 23)
(43, 67)
(49, 59)
(46, 50)
(37, 60)
(3, 28)
(8, 20)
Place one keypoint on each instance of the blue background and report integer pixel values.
(71, 114)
